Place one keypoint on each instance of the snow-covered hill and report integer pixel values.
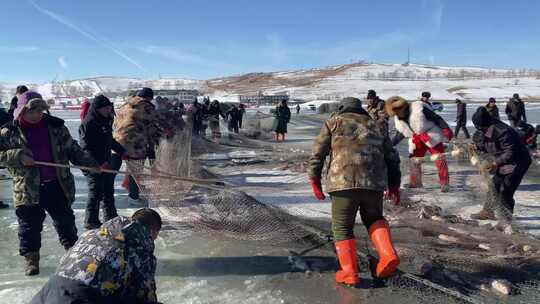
(330, 83)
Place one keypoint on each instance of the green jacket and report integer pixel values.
(361, 154)
(26, 180)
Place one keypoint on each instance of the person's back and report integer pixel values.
(135, 126)
(112, 264)
(368, 149)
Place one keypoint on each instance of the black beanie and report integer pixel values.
(426, 94)
(146, 93)
(481, 118)
(101, 101)
(371, 94)
(21, 89)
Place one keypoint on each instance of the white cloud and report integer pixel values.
(92, 36)
(62, 62)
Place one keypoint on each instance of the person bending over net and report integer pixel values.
(512, 160)
(363, 164)
(426, 131)
(113, 264)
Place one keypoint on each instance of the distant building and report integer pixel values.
(263, 99)
(184, 96)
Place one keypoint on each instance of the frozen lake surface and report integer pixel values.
(194, 268)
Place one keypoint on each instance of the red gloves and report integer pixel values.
(448, 133)
(424, 137)
(392, 193)
(317, 188)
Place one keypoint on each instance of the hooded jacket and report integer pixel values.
(95, 135)
(26, 180)
(361, 154)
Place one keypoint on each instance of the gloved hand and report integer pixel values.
(416, 140)
(392, 193)
(317, 188)
(424, 137)
(448, 133)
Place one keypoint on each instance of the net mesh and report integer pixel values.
(447, 260)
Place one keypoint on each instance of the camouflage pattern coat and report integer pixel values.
(361, 154)
(26, 180)
(378, 113)
(116, 259)
(136, 127)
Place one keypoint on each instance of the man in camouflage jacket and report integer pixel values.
(362, 165)
(136, 125)
(112, 264)
(37, 189)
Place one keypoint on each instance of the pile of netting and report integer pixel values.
(445, 259)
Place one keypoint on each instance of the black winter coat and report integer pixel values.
(234, 115)
(515, 109)
(95, 136)
(504, 143)
(461, 117)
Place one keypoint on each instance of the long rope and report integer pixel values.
(209, 182)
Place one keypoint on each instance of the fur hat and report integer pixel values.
(395, 103)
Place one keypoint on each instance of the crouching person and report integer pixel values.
(511, 162)
(113, 264)
(362, 165)
(35, 136)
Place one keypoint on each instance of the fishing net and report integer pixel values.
(445, 258)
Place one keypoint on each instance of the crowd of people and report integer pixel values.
(113, 261)
(359, 147)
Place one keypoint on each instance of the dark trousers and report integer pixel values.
(514, 123)
(458, 127)
(345, 205)
(101, 191)
(30, 217)
(233, 127)
(506, 186)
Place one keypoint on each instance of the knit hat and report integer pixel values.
(29, 101)
(481, 118)
(516, 96)
(21, 89)
(491, 99)
(458, 100)
(146, 93)
(101, 101)
(426, 94)
(371, 94)
(394, 103)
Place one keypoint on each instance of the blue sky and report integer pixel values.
(46, 39)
